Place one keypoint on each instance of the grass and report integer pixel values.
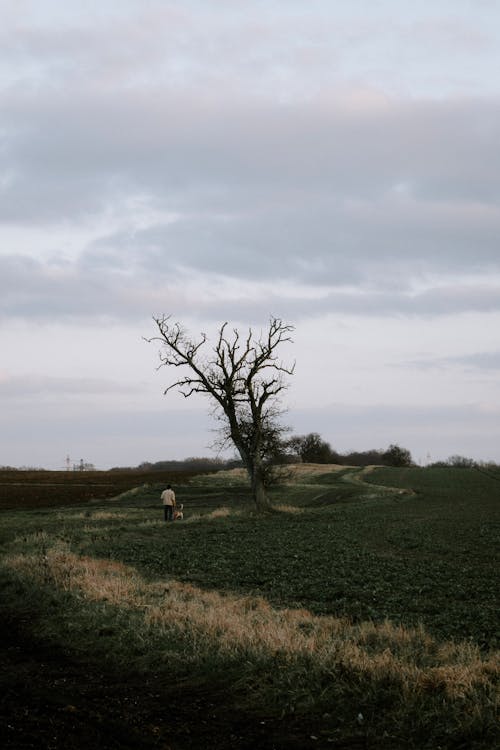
(367, 602)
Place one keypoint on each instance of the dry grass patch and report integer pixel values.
(96, 579)
(37, 539)
(212, 625)
(283, 508)
(223, 512)
(276, 661)
(305, 470)
(103, 515)
(297, 471)
(97, 515)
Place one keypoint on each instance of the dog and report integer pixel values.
(178, 513)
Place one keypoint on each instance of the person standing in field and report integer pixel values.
(168, 500)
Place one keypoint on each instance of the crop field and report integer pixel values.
(40, 489)
(361, 613)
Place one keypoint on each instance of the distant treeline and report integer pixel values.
(310, 448)
(191, 464)
(285, 455)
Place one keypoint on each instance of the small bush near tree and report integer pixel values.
(312, 449)
(461, 462)
(397, 456)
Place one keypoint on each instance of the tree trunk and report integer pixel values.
(260, 497)
(253, 466)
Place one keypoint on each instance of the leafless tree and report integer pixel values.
(244, 378)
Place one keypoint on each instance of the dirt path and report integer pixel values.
(358, 477)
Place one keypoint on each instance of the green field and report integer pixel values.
(362, 613)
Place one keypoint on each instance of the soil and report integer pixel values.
(52, 700)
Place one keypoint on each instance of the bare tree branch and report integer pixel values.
(244, 377)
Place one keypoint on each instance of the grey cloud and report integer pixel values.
(25, 386)
(102, 146)
(464, 429)
(452, 299)
(232, 163)
(259, 46)
(99, 292)
(481, 360)
(320, 190)
(320, 241)
(400, 415)
(323, 197)
(127, 287)
(484, 361)
(30, 288)
(365, 301)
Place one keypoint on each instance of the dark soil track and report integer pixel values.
(50, 699)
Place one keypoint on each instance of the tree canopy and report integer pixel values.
(244, 379)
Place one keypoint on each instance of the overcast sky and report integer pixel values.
(332, 163)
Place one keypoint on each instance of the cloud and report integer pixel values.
(320, 239)
(29, 386)
(363, 204)
(429, 432)
(486, 362)
(129, 284)
(76, 155)
(481, 360)
(263, 47)
(330, 186)
(333, 166)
